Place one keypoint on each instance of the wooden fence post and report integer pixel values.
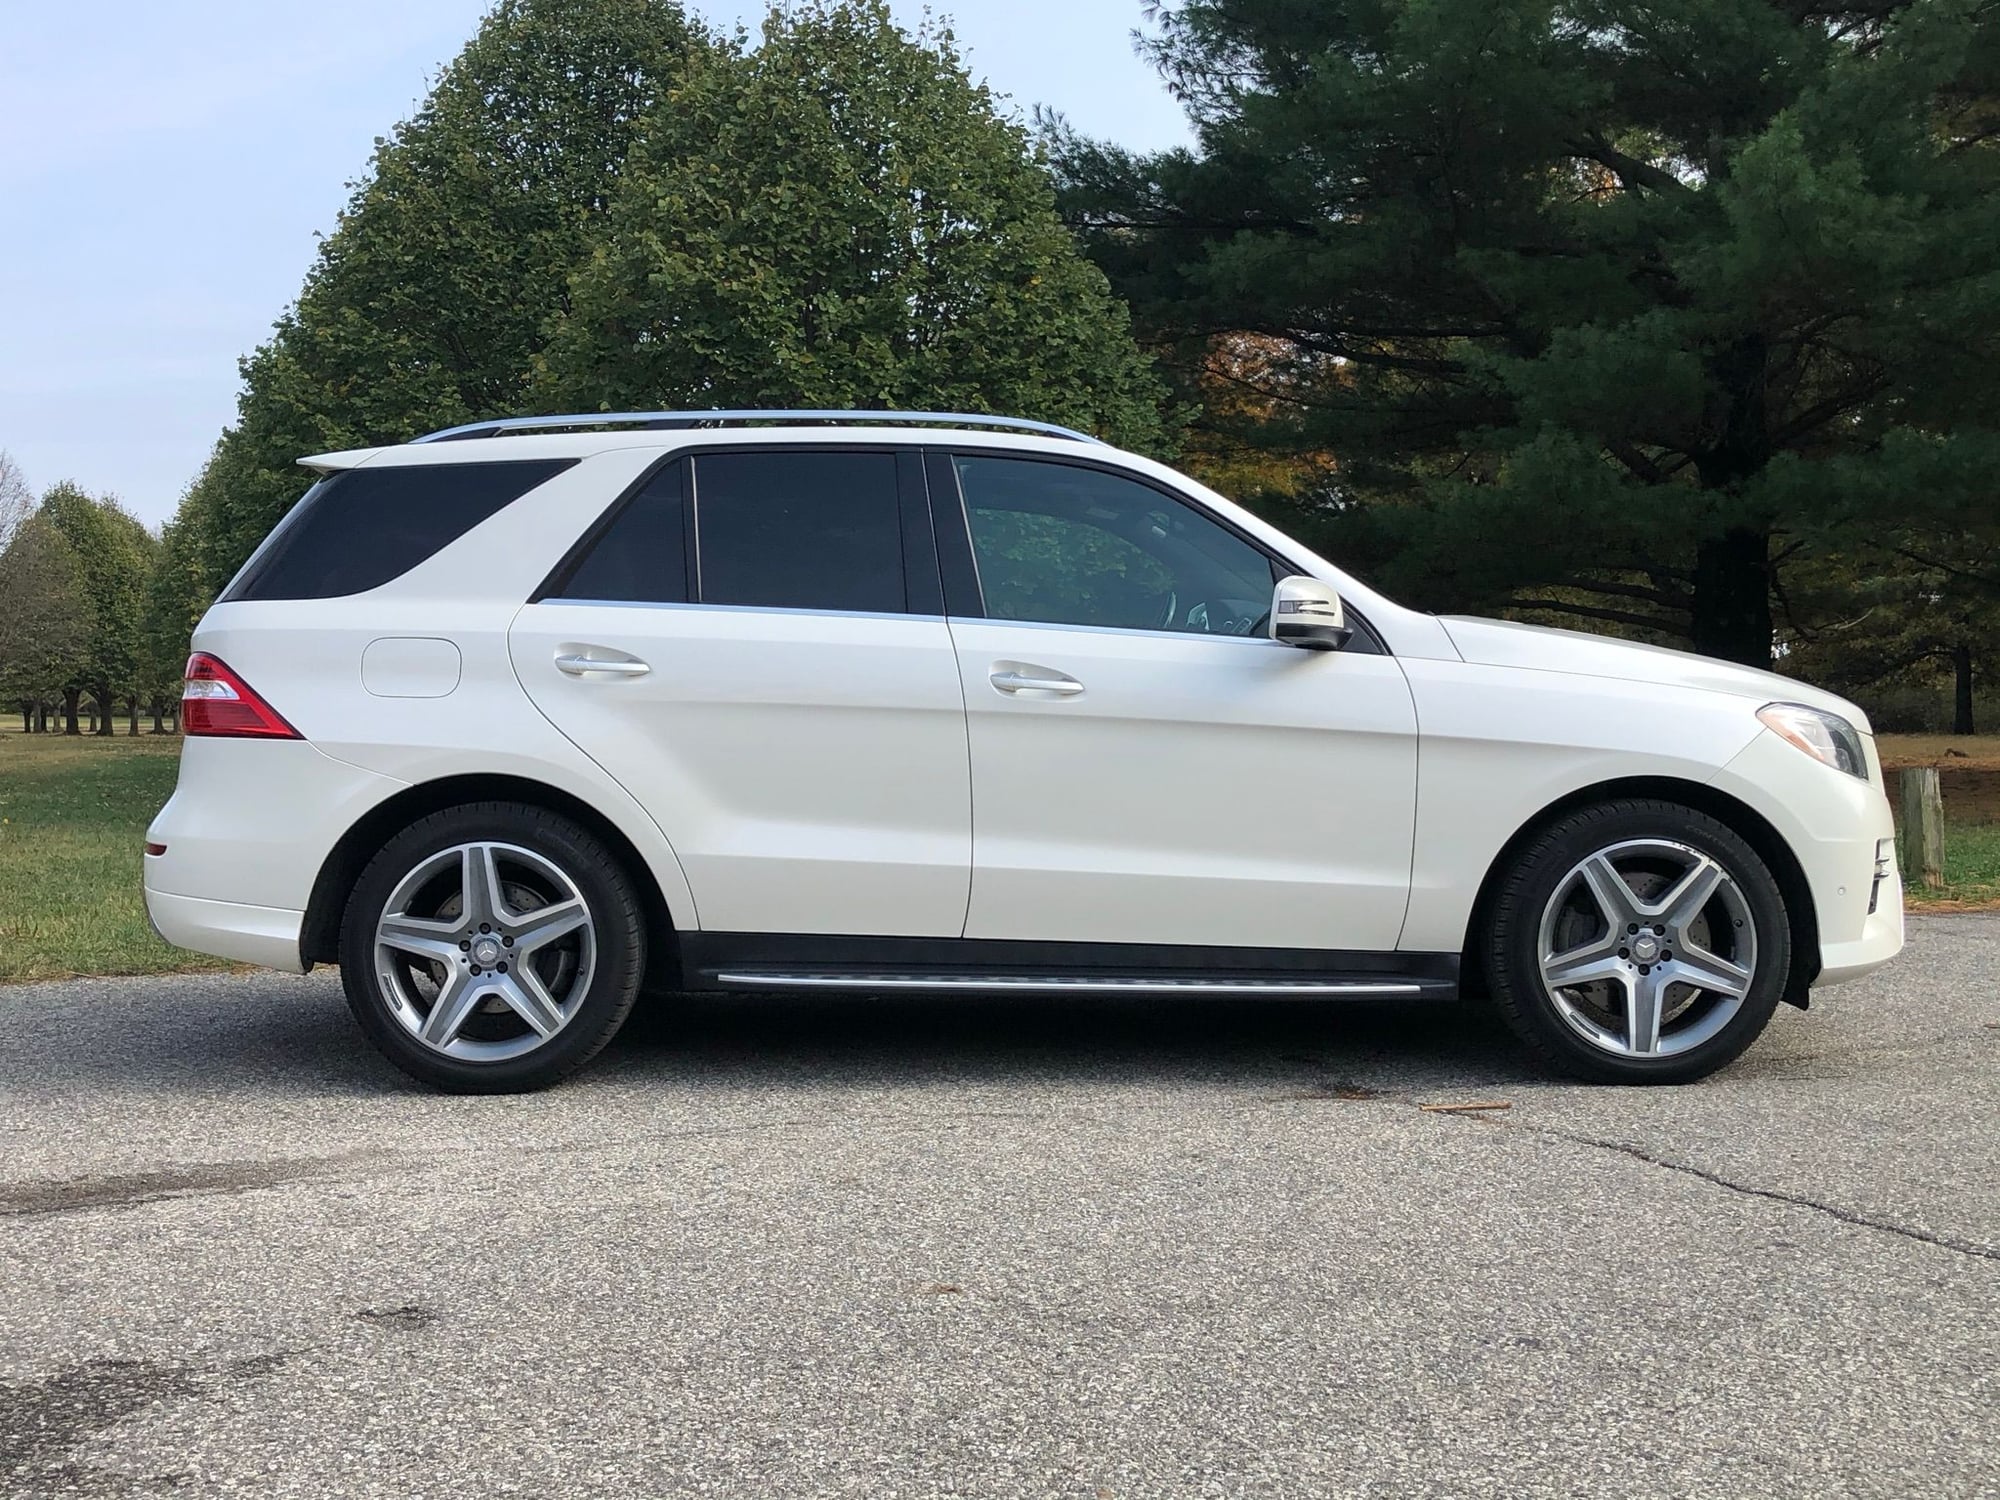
(1920, 828)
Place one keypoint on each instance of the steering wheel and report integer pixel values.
(1172, 610)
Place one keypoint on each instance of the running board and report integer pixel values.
(772, 961)
(1301, 988)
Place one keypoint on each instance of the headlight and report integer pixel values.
(1825, 737)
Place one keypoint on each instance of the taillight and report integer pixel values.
(215, 701)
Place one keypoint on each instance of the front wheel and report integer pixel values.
(1638, 942)
(492, 948)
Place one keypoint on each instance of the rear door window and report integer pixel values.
(359, 529)
(641, 556)
(800, 530)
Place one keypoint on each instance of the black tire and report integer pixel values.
(1544, 866)
(604, 978)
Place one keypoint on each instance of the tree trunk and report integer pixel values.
(1961, 698)
(1732, 597)
(72, 697)
(132, 710)
(107, 711)
(27, 717)
(1732, 572)
(159, 715)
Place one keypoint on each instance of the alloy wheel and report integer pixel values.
(1647, 948)
(485, 951)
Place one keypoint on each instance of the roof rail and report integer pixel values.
(671, 420)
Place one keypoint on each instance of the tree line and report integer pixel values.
(95, 611)
(1675, 319)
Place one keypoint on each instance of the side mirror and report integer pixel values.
(1307, 613)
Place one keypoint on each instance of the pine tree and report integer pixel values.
(1607, 309)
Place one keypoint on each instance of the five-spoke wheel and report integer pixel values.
(1638, 941)
(492, 947)
(1647, 947)
(486, 951)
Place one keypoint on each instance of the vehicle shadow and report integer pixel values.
(1065, 1040)
(274, 1037)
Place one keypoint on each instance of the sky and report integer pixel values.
(165, 168)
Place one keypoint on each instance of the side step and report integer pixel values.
(1357, 987)
(803, 962)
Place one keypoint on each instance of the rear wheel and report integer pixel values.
(492, 948)
(1638, 942)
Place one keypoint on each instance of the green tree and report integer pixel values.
(429, 299)
(176, 596)
(842, 218)
(113, 552)
(44, 617)
(1610, 309)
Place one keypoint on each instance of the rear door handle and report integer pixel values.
(581, 665)
(1035, 680)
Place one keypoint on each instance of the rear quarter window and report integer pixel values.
(359, 529)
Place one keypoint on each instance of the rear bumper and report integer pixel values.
(267, 935)
(248, 828)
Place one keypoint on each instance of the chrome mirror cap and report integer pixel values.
(1308, 614)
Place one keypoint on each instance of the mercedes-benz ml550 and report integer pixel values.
(517, 719)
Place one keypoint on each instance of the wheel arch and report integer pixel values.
(319, 935)
(1738, 816)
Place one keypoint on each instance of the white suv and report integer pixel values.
(521, 717)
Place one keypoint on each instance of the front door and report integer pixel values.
(744, 649)
(1147, 767)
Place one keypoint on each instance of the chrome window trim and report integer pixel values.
(739, 609)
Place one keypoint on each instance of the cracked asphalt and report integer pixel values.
(1093, 1248)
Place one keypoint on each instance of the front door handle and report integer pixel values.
(580, 665)
(1034, 680)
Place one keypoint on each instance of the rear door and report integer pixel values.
(752, 644)
(1147, 767)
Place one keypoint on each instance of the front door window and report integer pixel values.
(1067, 545)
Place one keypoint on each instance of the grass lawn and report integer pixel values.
(73, 813)
(1971, 867)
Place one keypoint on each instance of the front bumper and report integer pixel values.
(1881, 940)
(1881, 937)
(1836, 825)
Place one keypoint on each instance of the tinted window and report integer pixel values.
(1076, 546)
(361, 528)
(799, 530)
(642, 555)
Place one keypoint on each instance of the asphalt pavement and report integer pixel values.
(992, 1248)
